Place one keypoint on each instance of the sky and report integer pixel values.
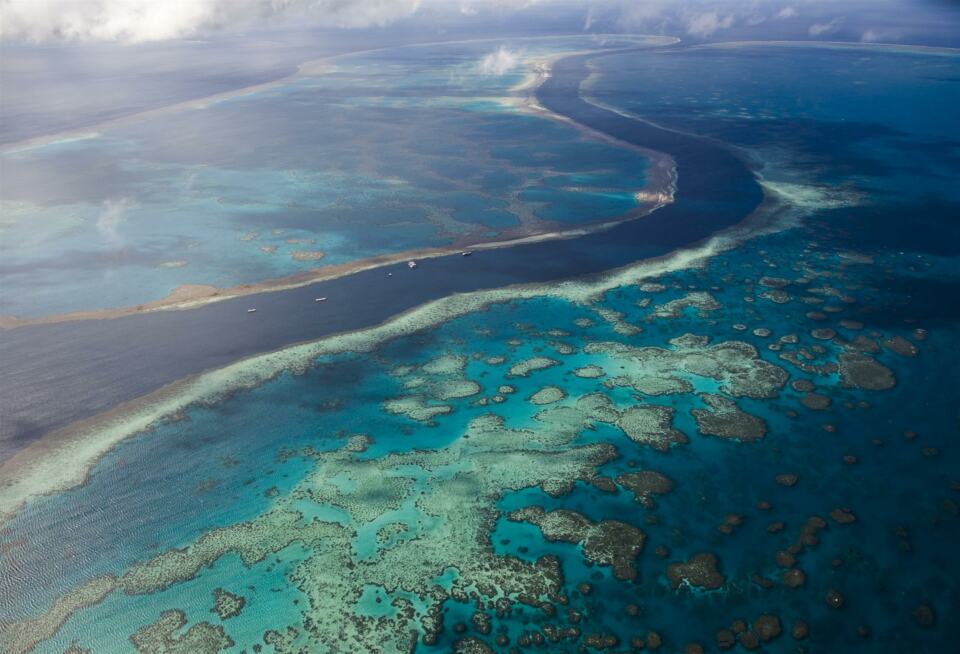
(142, 21)
(70, 64)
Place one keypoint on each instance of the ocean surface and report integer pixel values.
(355, 157)
(761, 449)
(72, 383)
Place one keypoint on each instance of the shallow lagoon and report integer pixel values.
(360, 156)
(246, 456)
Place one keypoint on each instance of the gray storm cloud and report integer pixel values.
(136, 21)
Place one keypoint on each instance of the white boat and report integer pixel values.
(411, 264)
(319, 299)
(251, 310)
(466, 253)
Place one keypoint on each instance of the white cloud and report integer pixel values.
(877, 36)
(588, 20)
(155, 20)
(820, 29)
(499, 62)
(698, 18)
(111, 217)
(473, 7)
(706, 23)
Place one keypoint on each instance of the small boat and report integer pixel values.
(411, 264)
(466, 253)
(251, 310)
(319, 299)
(389, 274)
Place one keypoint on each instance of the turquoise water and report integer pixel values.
(876, 261)
(252, 428)
(372, 154)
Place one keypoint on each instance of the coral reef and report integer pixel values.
(725, 419)
(159, 637)
(700, 571)
(608, 542)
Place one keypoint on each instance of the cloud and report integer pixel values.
(697, 18)
(588, 20)
(473, 7)
(135, 21)
(706, 23)
(668, 17)
(111, 217)
(877, 36)
(499, 62)
(819, 29)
